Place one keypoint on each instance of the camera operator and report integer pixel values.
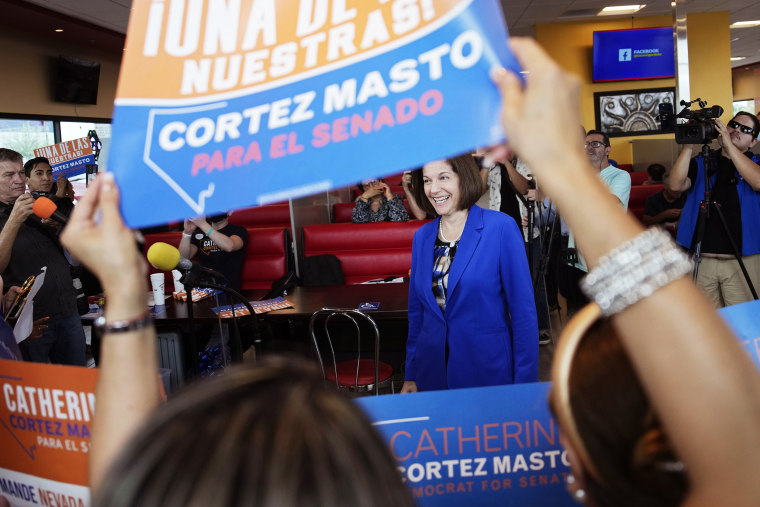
(735, 180)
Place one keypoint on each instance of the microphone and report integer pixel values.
(45, 208)
(165, 257)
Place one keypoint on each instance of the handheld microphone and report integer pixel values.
(165, 257)
(45, 208)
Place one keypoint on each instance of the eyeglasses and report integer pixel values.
(736, 125)
(594, 144)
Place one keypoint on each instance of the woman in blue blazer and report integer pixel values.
(472, 317)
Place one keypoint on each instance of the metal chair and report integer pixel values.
(357, 374)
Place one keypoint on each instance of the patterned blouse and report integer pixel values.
(443, 256)
(389, 211)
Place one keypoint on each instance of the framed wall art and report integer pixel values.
(631, 112)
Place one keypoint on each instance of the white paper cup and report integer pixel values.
(177, 284)
(157, 281)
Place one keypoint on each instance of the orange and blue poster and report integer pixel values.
(45, 417)
(68, 158)
(228, 103)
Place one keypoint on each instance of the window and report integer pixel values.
(26, 135)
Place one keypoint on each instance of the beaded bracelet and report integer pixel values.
(635, 270)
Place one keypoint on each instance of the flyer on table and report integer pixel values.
(225, 104)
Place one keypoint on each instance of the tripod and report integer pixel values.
(705, 207)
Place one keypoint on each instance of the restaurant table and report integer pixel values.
(292, 323)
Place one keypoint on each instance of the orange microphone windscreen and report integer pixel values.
(44, 207)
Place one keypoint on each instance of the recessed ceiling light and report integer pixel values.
(617, 10)
(737, 58)
(59, 30)
(745, 24)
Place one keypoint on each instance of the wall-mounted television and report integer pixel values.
(76, 80)
(643, 53)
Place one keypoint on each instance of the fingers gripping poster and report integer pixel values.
(230, 103)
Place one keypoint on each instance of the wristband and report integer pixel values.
(123, 326)
(209, 232)
(186, 235)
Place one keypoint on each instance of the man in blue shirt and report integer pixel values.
(619, 182)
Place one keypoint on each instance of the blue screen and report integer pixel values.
(634, 54)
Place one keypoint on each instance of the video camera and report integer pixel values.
(699, 127)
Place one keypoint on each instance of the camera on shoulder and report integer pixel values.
(699, 127)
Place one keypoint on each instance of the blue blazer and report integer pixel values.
(490, 320)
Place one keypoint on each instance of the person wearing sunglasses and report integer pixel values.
(597, 147)
(735, 185)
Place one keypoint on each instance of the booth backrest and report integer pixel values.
(342, 211)
(271, 215)
(266, 257)
(173, 238)
(366, 251)
(637, 178)
(639, 194)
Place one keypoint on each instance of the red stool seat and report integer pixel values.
(347, 372)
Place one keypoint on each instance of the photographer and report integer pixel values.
(735, 181)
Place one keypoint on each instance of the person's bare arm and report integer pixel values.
(127, 389)
(186, 248)
(520, 182)
(21, 210)
(406, 182)
(669, 215)
(699, 380)
(679, 174)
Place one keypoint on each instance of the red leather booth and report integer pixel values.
(266, 259)
(639, 194)
(366, 251)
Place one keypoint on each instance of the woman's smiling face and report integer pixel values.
(441, 185)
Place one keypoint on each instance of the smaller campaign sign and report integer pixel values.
(742, 319)
(45, 418)
(483, 446)
(69, 158)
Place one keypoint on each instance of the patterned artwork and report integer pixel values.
(630, 112)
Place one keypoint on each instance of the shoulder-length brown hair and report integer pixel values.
(470, 184)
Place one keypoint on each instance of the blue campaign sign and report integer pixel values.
(484, 446)
(242, 116)
(744, 322)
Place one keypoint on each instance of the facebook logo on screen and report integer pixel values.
(624, 55)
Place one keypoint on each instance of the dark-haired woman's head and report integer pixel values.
(620, 452)
(449, 185)
(271, 435)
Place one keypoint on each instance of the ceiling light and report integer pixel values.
(617, 10)
(745, 24)
(737, 58)
(59, 30)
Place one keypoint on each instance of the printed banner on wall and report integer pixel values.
(222, 105)
(485, 446)
(68, 158)
(45, 414)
